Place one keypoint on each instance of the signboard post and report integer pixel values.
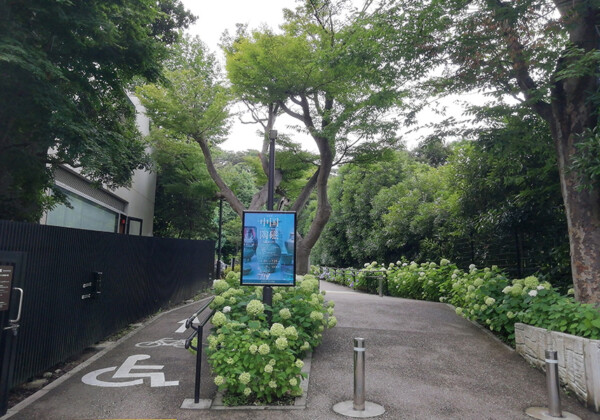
(269, 249)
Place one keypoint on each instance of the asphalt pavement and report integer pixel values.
(422, 362)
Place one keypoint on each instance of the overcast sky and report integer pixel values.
(214, 17)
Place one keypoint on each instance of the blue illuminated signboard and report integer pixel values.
(269, 248)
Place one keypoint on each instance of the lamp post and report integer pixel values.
(268, 290)
(218, 274)
(271, 192)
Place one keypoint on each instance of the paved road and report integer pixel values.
(422, 362)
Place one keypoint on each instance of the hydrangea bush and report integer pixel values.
(252, 360)
(489, 298)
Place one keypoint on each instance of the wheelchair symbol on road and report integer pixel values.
(157, 379)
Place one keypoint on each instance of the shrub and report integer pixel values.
(489, 298)
(492, 300)
(426, 281)
(255, 361)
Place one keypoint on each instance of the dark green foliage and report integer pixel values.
(64, 67)
(496, 201)
(352, 235)
(185, 200)
(432, 151)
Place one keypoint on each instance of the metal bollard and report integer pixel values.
(554, 410)
(552, 383)
(359, 407)
(359, 374)
(380, 286)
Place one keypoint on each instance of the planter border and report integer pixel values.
(578, 359)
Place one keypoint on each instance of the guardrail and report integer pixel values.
(376, 280)
(198, 332)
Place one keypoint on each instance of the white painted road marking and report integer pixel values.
(168, 342)
(157, 379)
(182, 329)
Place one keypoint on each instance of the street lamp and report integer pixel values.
(268, 290)
(218, 274)
(271, 192)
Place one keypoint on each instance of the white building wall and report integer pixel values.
(140, 197)
(137, 202)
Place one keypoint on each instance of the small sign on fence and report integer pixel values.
(6, 277)
(269, 249)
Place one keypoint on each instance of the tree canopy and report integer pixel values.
(185, 194)
(324, 69)
(543, 55)
(64, 70)
(496, 201)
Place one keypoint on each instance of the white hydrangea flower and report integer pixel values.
(244, 378)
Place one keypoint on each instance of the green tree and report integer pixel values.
(241, 171)
(542, 53)
(418, 213)
(510, 190)
(64, 68)
(193, 106)
(354, 233)
(433, 150)
(327, 74)
(185, 195)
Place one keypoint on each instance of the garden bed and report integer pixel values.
(256, 351)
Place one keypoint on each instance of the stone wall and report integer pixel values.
(578, 359)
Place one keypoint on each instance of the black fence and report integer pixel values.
(82, 286)
(520, 254)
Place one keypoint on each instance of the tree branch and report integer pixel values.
(226, 192)
(302, 199)
(519, 63)
(260, 198)
(291, 113)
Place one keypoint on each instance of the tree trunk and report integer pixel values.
(574, 111)
(323, 212)
(302, 258)
(582, 207)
